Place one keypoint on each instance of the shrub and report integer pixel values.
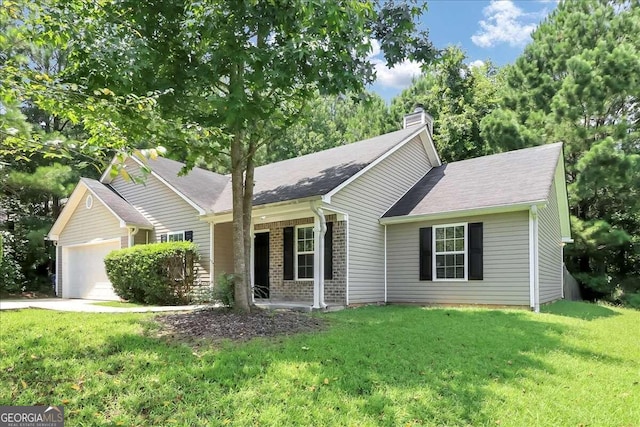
(632, 300)
(11, 278)
(224, 290)
(160, 273)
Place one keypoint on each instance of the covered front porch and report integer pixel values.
(298, 259)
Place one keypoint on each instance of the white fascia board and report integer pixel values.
(430, 148)
(465, 212)
(560, 182)
(67, 211)
(327, 197)
(106, 175)
(271, 209)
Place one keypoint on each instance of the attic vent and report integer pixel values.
(417, 118)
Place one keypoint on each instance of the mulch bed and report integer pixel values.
(219, 324)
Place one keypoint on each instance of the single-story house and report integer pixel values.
(380, 220)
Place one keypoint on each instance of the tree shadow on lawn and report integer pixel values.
(579, 310)
(378, 365)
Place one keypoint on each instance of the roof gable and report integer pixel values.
(500, 180)
(321, 173)
(199, 187)
(126, 214)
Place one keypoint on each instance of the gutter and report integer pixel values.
(463, 212)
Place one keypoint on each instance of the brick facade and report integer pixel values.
(302, 290)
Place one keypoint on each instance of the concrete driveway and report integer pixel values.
(85, 305)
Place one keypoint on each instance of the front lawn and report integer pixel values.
(576, 364)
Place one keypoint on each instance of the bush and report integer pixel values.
(11, 278)
(224, 290)
(161, 273)
(632, 300)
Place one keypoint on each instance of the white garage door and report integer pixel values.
(83, 273)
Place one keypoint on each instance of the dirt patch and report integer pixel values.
(219, 324)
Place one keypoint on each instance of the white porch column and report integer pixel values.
(252, 263)
(212, 275)
(319, 231)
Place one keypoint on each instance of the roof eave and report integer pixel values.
(420, 131)
(485, 210)
(224, 216)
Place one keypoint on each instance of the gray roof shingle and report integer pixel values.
(314, 174)
(122, 208)
(513, 177)
(200, 186)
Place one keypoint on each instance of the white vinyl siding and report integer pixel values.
(167, 211)
(550, 251)
(366, 199)
(506, 264)
(86, 225)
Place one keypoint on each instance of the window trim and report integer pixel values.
(436, 253)
(175, 233)
(296, 253)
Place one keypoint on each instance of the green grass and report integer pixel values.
(576, 364)
(118, 304)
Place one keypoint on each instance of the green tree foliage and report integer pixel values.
(458, 97)
(579, 82)
(207, 78)
(329, 121)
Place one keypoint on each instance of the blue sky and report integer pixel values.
(485, 29)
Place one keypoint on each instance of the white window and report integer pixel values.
(175, 237)
(450, 244)
(304, 252)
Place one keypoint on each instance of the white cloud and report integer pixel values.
(400, 76)
(397, 77)
(476, 63)
(505, 23)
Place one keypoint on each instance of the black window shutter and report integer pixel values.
(188, 236)
(475, 251)
(288, 253)
(163, 238)
(328, 252)
(426, 260)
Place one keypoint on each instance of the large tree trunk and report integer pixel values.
(241, 281)
(246, 210)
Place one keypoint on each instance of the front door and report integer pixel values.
(261, 265)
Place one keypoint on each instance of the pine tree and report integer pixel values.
(579, 82)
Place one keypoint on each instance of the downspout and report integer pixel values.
(385, 263)
(534, 280)
(319, 231)
(562, 269)
(132, 232)
(58, 263)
